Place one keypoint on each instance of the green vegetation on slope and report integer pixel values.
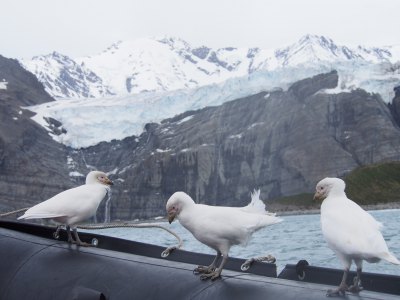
(373, 184)
(296, 202)
(379, 183)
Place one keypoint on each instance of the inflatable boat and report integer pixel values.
(34, 265)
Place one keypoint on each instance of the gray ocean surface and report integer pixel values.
(297, 237)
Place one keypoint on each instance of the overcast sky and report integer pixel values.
(84, 27)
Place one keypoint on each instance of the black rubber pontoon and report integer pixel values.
(36, 266)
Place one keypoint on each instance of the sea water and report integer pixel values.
(297, 237)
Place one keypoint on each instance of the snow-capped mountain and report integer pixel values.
(314, 49)
(63, 77)
(156, 65)
(178, 78)
(167, 64)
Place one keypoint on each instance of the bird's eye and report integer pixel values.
(173, 207)
(321, 188)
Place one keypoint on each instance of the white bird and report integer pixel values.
(351, 232)
(219, 227)
(73, 206)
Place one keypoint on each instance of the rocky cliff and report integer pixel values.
(395, 105)
(32, 166)
(282, 142)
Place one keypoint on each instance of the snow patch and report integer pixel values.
(184, 120)
(3, 85)
(163, 150)
(236, 136)
(76, 174)
(255, 125)
(113, 172)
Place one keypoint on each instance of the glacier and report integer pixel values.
(113, 94)
(90, 121)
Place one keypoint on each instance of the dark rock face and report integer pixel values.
(32, 166)
(280, 142)
(395, 105)
(23, 88)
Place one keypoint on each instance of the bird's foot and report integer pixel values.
(212, 275)
(340, 291)
(203, 270)
(355, 289)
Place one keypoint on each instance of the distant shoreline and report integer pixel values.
(296, 212)
(316, 211)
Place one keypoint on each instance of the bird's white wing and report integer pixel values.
(72, 202)
(212, 224)
(351, 230)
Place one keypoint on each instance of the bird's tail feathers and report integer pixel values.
(256, 205)
(267, 220)
(390, 258)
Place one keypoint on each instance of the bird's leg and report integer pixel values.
(340, 291)
(78, 240)
(207, 269)
(70, 239)
(217, 272)
(356, 287)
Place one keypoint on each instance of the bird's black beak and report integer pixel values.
(318, 196)
(171, 217)
(107, 181)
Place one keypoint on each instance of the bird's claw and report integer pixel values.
(355, 289)
(212, 275)
(203, 270)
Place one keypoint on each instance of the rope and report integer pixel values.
(13, 212)
(164, 254)
(247, 264)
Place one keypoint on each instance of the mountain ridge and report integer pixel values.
(166, 64)
(279, 140)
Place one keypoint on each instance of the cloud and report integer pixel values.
(78, 28)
